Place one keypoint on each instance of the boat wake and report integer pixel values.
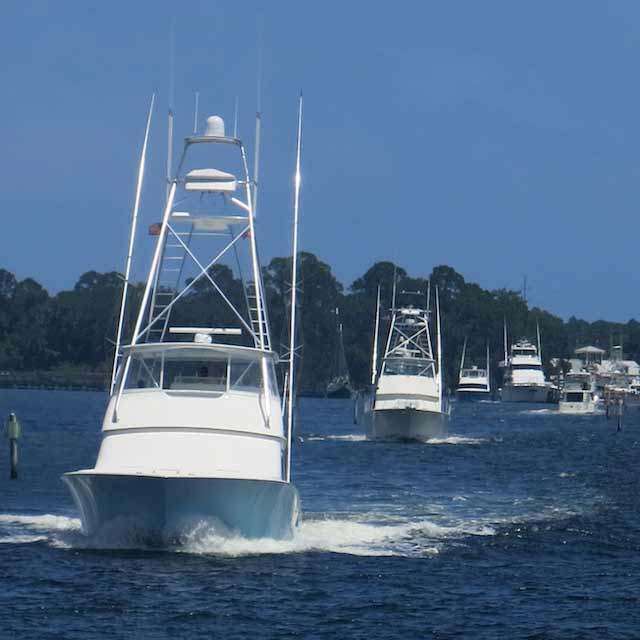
(456, 440)
(347, 437)
(539, 412)
(362, 535)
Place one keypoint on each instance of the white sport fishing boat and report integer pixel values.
(474, 383)
(195, 429)
(408, 396)
(524, 379)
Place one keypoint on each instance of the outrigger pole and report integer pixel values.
(464, 351)
(439, 345)
(374, 359)
(132, 236)
(506, 355)
(294, 289)
(539, 345)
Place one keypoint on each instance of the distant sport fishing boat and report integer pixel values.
(408, 399)
(195, 429)
(524, 379)
(474, 383)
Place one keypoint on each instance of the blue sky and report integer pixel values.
(500, 138)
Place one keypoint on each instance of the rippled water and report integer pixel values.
(520, 524)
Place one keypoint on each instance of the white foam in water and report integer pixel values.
(349, 437)
(26, 529)
(456, 440)
(336, 536)
(367, 535)
(207, 536)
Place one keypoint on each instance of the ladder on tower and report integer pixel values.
(258, 318)
(166, 286)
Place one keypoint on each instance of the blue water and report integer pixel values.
(520, 524)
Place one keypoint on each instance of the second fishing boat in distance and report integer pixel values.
(474, 383)
(408, 396)
(194, 430)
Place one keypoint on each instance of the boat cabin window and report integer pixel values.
(195, 375)
(524, 352)
(473, 373)
(528, 367)
(404, 367)
(197, 371)
(574, 396)
(245, 374)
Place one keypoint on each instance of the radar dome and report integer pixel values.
(215, 127)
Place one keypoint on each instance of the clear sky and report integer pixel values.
(498, 137)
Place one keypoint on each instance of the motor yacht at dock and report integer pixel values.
(579, 394)
(474, 383)
(524, 379)
(195, 429)
(408, 395)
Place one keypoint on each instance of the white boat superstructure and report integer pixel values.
(474, 383)
(408, 401)
(578, 394)
(524, 379)
(194, 427)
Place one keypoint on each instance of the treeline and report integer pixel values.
(74, 330)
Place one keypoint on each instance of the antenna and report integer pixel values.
(132, 236)
(294, 288)
(428, 296)
(195, 114)
(235, 119)
(374, 359)
(172, 73)
(464, 351)
(256, 163)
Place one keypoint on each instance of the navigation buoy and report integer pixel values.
(13, 431)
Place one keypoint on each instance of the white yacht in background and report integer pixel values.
(408, 396)
(524, 379)
(578, 395)
(195, 429)
(474, 383)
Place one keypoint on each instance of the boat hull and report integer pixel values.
(340, 392)
(472, 396)
(164, 508)
(577, 408)
(532, 394)
(409, 424)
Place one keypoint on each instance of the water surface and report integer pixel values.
(520, 524)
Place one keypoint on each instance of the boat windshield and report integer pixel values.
(408, 367)
(473, 373)
(524, 352)
(212, 372)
